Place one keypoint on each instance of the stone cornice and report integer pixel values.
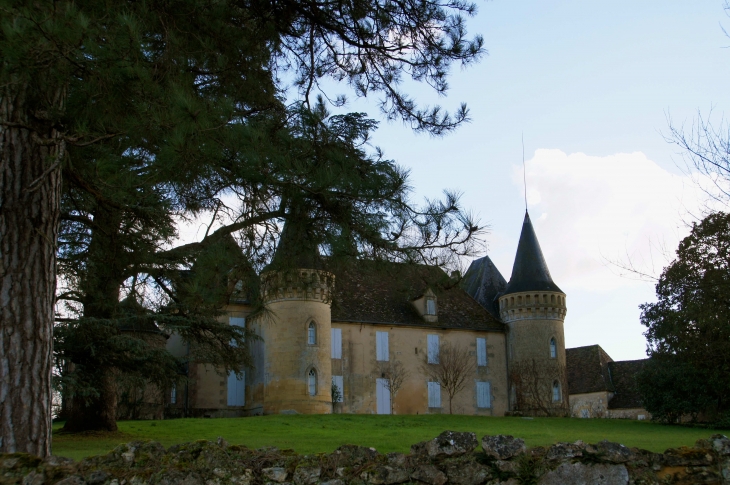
(298, 284)
(532, 305)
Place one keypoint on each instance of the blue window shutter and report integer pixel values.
(433, 349)
(381, 346)
(336, 343)
(481, 352)
(434, 395)
(484, 395)
(338, 382)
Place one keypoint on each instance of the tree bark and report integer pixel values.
(30, 190)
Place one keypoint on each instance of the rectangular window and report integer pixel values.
(484, 395)
(236, 389)
(433, 349)
(236, 385)
(382, 396)
(336, 343)
(434, 395)
(237, 322)
(338, 383)
(381, 346)
(430, 307)
(481, 352)
(173, 394)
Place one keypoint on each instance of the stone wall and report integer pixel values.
(451, 458)
(408, 345)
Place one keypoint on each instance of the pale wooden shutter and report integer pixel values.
(382, 394)
(481, 351)
(336, 343)
(236, 389)
(338, 382)
(434, 395)
(237, 322)
(433, 349)
(430, 307)
(381, 346)
(484, 395)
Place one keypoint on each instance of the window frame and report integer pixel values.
(312, 333)
(312, 382)
(557, 392)
(553, 344)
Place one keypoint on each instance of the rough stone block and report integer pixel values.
(503, 447)
(275, 474)
(580, 474)
(448, 443)
(429, 474)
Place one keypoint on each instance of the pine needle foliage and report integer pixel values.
(166, 109)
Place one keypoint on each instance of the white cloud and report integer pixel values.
(588, 210)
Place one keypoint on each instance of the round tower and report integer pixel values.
(296, 327)
(534, 308)
(298, 366)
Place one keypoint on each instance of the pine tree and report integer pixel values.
(177, 93)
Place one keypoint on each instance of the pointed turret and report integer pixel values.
(533, 307)
(530, 271)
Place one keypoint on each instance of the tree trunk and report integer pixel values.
(100, 286)
(98, 413)
(30, 189)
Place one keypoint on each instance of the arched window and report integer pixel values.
(556, 391)
(312, 382)
(553, 349)
(312, 334)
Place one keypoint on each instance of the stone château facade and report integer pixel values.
(365, 339)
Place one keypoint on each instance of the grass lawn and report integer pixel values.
(324, 433)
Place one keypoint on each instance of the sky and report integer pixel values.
(591, 86)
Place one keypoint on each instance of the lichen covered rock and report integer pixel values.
(503, 447)
(448, 443)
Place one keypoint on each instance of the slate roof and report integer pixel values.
(296, 247)
(623, 375)
(530, 271)
(484, 283)
(587, 369)
(382, 293)
(591, 369)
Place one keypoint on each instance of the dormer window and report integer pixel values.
(426, 306)
(430, 306)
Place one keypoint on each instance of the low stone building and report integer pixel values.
(602, 388)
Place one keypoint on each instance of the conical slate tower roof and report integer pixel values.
(530, 272)
(297, 246)
(484, 283)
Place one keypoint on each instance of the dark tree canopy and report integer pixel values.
(151, 111)
(688, 328)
